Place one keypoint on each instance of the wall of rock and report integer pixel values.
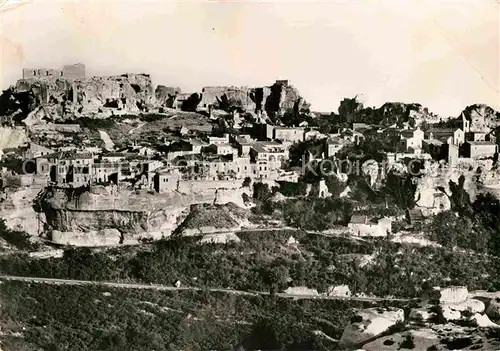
(76, 97)
(134, 214)
(12, 137)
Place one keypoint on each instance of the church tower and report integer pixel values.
(465, 124)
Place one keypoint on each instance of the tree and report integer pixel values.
(261, 191)
(348, 109)
(191, 103)
(247, 181)
(276, 277)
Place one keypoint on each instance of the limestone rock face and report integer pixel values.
(483, 321)
(133, 214)
(421, 314)
(493, 310)
(90, 238)
(163, 94)
(224, 196)
(273, 100)
(471, 305)
(453, 294)
(12, 137)
(420, 339)
(369, 323)
(482, 117)
(450, 314)
(75, 97)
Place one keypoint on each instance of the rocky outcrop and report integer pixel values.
(88, 214)
(493, 310)
(164, 95)
(433, 187)
(61, 97)
(422, 314)
(236, 196)
(11, 138)
(368, 324)
(482, 117)
(274, 100)
(82, 212)
(207, 219)
(16, 208)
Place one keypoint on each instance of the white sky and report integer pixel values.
(443, 54)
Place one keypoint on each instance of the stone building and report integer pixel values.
(454, 136)
(293, 134)
(33, 150)
(65, 166)
(75, 71)
(333, 146)
(165, 181)
(219, 140)
(362, 225)
(412, 138)
(479, 149)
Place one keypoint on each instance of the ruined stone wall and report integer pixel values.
(76, 71)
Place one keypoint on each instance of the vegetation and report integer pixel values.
(261, 258)
(95, 123)
(16, 238)
(56, 318)
(469, 225)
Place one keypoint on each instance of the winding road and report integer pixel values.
(160, 287)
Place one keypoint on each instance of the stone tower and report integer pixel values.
(465, 124)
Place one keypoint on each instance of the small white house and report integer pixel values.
(361, 225)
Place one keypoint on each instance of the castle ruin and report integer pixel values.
(74, 71)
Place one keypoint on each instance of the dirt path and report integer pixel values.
(160, 287)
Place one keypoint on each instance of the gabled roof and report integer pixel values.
(334, 141)
(71, 155)
(443, 130)
(198, 142)
(433, 142)
(359, 219)
(117, 154)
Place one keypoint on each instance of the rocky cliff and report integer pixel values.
(11, 138)
(482, 117)
(275, 99)
(61, 97)
(433, 190)
(102, 215)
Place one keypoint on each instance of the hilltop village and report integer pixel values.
(249, 190)
(65, 130)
